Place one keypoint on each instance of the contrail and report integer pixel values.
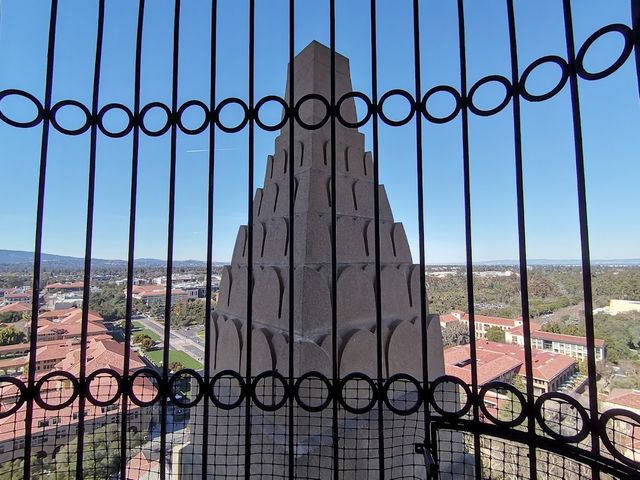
(203, 150)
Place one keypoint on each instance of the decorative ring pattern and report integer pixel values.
(212, 115)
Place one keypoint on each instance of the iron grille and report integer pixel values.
(444, 425)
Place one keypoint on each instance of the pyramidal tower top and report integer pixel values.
(312, 251)
(312, 337)
(312, 75)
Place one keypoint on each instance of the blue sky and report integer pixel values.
(611, 121)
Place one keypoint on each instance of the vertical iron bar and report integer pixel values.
(37, 255)
(635, 25)
(209, 287)
(468, 242)
(88, 243)
(584, 234)
(132, 240)
(376, 203)
(419, 173)
(170, 237)
(247, 433)
(522, 242)
(290, 247)
(335, 435)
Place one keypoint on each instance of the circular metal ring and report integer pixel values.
(385, 394)
(564, 68)
(403, 94)
(205, 123)
(602, 427)
(506, 386)
(281, 123)
(582, 433)
(324, 380)
(77, 131)
(165, 128)
(626, 33)
(28, 96)
(441, 88)
(507, 96)
(357, 123)
(217, 377)
(21, 395)
(370, 383)
(152, 373)
(451, 379)
(310, 97)
(191, 372)
(60, 373)
(92, 376)
(115, 106)
(243, 122)
(259, 403)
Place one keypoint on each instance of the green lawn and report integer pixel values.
(138, 327)
(174, 356)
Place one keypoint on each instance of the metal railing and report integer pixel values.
(532, 442)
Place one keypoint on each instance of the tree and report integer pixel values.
(582, 367)
(518, 382)
(187, 313)
(175, 366)
(144, 341)
(11, 317)
(11, 336)
(139, 338)
(495, 334)
(455, 333)
(110, 302)
(101, 454)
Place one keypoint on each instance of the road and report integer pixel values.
(178, 341)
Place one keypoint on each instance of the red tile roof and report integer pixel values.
(65, 286)
(13, 426)
(154, 290)
(58, 313)
(141, 465)
(625, 398)
(495, 359)
(520, 330)
(101, 354)
(17, 295)
(504, 322)
(16, 307)
(571, 339)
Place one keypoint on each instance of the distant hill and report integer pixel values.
(567, 262)
(548, 262)
(22, 258)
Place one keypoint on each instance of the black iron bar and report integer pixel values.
(247, 453)
(376, 208)
(635, 25)
(335, 432)
(584, 234)
(170, 238)
(124, 420)
(88, 244)
(290, 247)
(421, 239)
(522, 242)
(468, 241)
(210, 226)
(37, 255)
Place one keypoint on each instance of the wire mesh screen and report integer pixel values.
(254, 137)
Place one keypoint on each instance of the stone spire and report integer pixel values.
(312, 336)
(312, 251)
